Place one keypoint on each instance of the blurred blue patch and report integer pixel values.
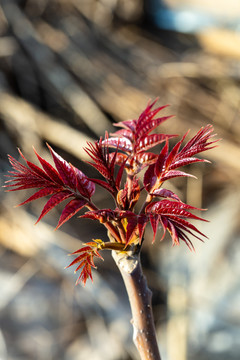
(187, 19)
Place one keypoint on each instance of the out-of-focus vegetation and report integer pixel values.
(68, 70)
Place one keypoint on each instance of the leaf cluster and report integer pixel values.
(125, 151)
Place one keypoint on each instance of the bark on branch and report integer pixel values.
(140, 298)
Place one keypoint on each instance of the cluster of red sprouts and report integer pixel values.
(126, 150)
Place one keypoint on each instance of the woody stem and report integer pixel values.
(144, 334)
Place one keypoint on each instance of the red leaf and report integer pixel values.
(120, 174)
(53, 201)
(123, 133)
(146, 118)
(20, 168)
(132, 226)
(120, 158)
(151, 125)
(127, 124)
(27, 184)
(142, 222)
(99, 153)
(186, 225)
(185, 161)
(154, 220)
(149, 141)
(149, 178)
(123, 144)
(104, 185)
(83, 249)
(65, 170)
(165, 193)
(168, 207)
(101, 215)
(41, 193)
(39, 172)
(174, 234)
(85, 261)
(198, 143)
(80, 258)
(160, 163)
(145, 159)
(49, 169)
(71, 209)
(175, 173)
(174, 152)
(83, 184)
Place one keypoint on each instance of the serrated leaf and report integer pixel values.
(20, 168)
(149, 141)
(144, 159)
(36, 170)
(150, 178)
(99, 152)
(101, 215)
(165, 193)
(41, 193)
(146, 128)
(120, 174)
(185, 161)
(173, 153)
(29, 184)
(132, 226)
(49, 169)
(53, 201)
(80, 258)
(160, 162)
(168, 207)
(70, 210)
(64, 169)
(175, 173)
(198, 143)
(123, 144)
(83, 184)
(147, 116)
(104, 184)
(123, 133)
(127, 124)
(186, 226)
(142, 222)
(81, 250)
(120, 158)
(154, 220)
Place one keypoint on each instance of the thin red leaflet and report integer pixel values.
(64, 169)
(70, 210)
(165, 194)
(83, 184)
(40, 193)
(175, 173)
(151, 125)
(53, 201)
(154, 221)
(149, 178)
(49, 169)
(104, 184)
(149, 141)
(160, 163)
(35, 169)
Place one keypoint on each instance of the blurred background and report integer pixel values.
(68, 70)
